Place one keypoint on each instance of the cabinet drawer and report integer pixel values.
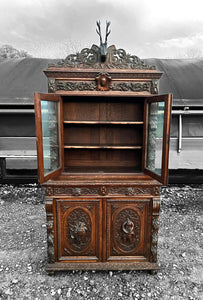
(78, 229)
(128, 228)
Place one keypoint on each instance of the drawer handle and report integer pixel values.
(128, 227)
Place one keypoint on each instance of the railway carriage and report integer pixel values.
(20, 78)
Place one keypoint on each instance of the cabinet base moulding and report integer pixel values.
(121, 266)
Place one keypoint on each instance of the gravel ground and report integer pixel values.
(23, 253)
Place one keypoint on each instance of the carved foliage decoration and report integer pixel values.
(72, 86)
(78, 230)
(132, 86)
(103, 84)
(76, 191)
(91, 58)
(102, 190)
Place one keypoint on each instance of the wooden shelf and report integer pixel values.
(100, 147)
(104, 122)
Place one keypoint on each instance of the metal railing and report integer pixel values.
(181, 113)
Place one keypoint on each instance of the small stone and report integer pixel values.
(91, 282)
(68, 294)
(110, 273)
(120, 294)
(15, 281)
(8, 292)
(53, 292)
(85, 278)
(44, 225)
(59, 291)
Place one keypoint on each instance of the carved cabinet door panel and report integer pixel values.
(128, 228)
(78, 229)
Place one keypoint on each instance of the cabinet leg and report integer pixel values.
(50, 273)
(153, 272)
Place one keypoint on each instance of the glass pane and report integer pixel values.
(155, 137)
(50, 133)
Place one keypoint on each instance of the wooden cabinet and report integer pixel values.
(103, 142)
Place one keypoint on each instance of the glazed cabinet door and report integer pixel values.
(128, 228)
(49, 135)
(156, 137)
(78, 230)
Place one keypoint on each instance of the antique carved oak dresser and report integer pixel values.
(103, 142)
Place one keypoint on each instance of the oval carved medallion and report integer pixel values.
(78, 230)
(126, 230)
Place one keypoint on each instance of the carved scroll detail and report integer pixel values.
(115, 59)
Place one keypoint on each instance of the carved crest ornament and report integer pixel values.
(108, 61)
(114, 59)
(103, 57)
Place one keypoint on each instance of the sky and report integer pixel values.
(146, 28)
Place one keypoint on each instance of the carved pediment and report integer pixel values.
(91, 58)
